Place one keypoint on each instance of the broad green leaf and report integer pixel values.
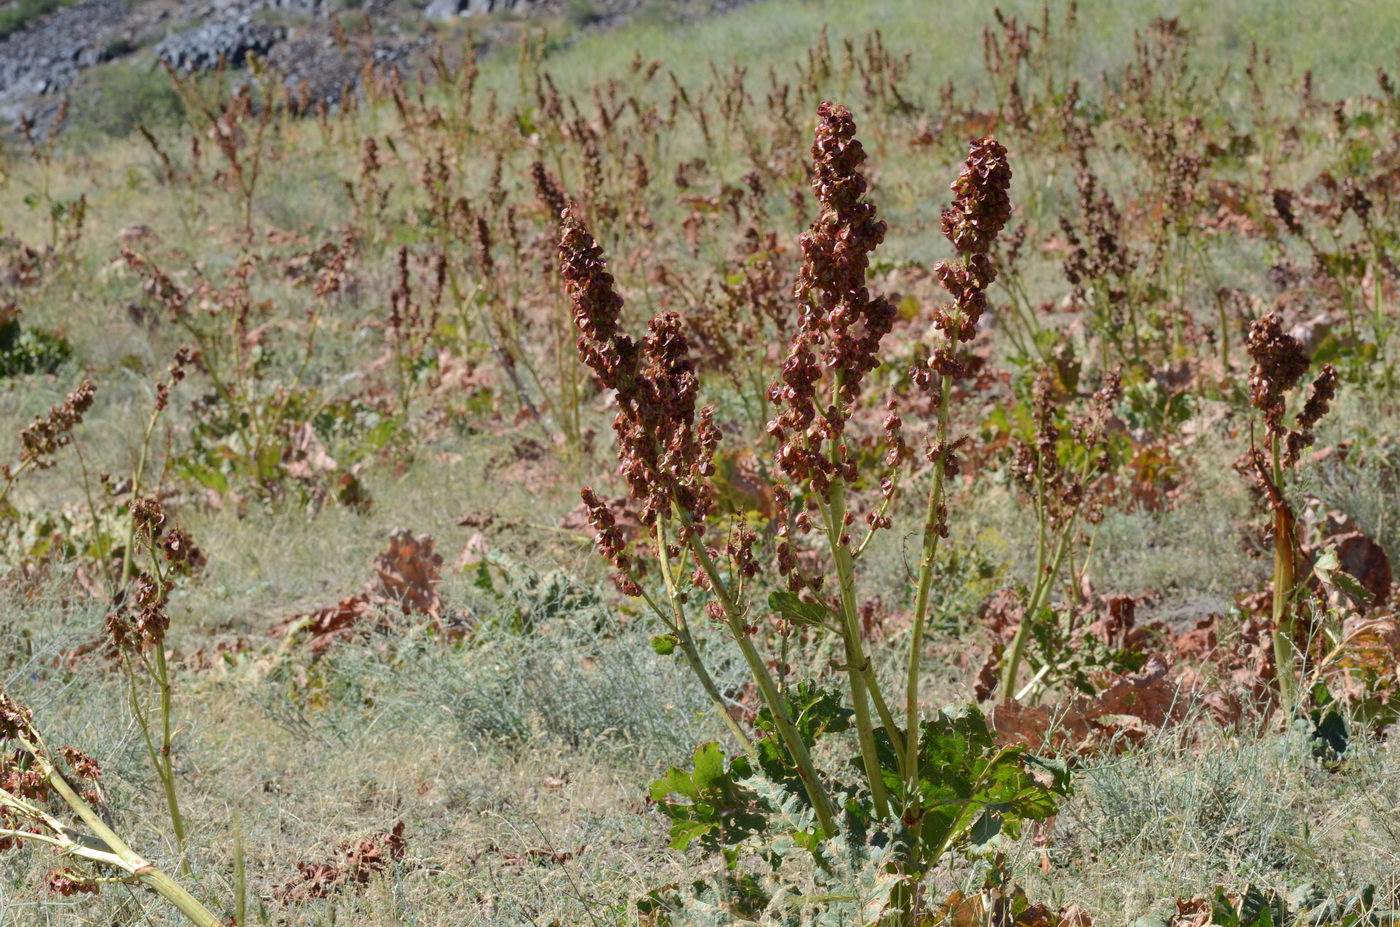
(794, 609)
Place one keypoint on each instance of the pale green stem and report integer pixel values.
(1044, 581)
(855, 655)
(127, 860)
(806, 770)
(932, 533)
(166, 766)
(681, 628)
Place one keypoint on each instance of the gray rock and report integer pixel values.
(204, 46)
(47, 56)
(442, 10)
(39, 63)
(317, 71)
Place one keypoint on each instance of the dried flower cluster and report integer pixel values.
(1280, 362)
(159, 285)
(70, 882)
(184, 357)
(15, 719)
(980, 210)
(25, 776)
(173, 544)
(838, 338)
(18, 776)
(1099, 260)
(407, 323)
(1061, 492)
(141, 619)
(38, 789)
(48, 433)
(597, 308)
(82, 765)
(1324, 390)
(355, 864)
(548, 192)
(665, 446)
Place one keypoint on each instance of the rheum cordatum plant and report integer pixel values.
(925, 784)
(59, 805)
(1280, 363)
(136, 628)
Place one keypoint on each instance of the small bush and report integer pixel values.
(581, 13)
(130, 94)
(29, 350)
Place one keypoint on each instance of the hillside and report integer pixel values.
(1026, 373)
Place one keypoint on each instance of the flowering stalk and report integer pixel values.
(610, 543)
(184, 357)
(1060, 496)
(137, 628)
(1051, 550)
(1279, 365)
(47, 434)
(666, 449)
(980, 210)
(840, 331)
(733, 615)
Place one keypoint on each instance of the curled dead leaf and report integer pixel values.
(358, 861)
(408, 574)
(406, 577)
(1122, 713)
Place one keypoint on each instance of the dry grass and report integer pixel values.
(518, 760)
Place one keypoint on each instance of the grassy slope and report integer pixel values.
(1342, 45)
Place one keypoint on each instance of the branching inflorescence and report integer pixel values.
(980, 210)
(1280, 363)
(666, 449)
(838, 338)
(48, 434)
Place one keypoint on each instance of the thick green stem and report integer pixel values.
(166, 767)
(856, 661)
(139, 868)
(787, 731)
(932, 533)
(170, 890)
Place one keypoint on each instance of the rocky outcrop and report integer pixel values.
(442, 10)
(205, 46)
(317, 70)
(48, 56)
(39, 63)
